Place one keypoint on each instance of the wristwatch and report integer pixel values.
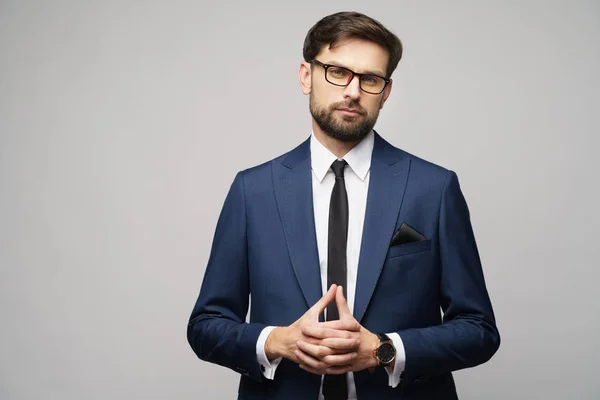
(385, 352)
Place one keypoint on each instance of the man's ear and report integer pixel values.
(305, 77)
(386, 93)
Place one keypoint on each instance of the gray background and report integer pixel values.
(123, 124)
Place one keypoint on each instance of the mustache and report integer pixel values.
(351, 105)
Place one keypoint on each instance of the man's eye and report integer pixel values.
(370, 79)
(338, 72)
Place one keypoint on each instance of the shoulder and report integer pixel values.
(427, 179)
(419, 168)
(261, 176)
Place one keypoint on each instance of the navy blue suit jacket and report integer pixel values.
(265, 246)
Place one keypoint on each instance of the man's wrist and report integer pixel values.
(373, 343)
(273, 347)
(385, 351)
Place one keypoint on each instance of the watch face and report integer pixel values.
(386, 352)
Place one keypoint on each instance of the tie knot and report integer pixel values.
(338, 168)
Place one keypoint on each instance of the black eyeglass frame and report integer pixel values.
(327, 66)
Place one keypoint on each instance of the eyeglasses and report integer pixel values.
(340, 76)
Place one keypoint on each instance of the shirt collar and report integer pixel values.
(359, 158)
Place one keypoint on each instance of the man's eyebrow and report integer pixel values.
(378, 73)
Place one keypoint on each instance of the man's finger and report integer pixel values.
(345, 324)
(319, 357)
(310, 361)
(320, 305)
(342, 304)
(318, 332)
(338, 344)
(329, 355)
(315, 350)
(335, 360)
(325, 354)
(335, 345)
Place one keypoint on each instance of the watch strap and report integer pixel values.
(383, 337)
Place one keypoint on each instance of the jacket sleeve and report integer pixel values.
(217, 331)
(468, 335)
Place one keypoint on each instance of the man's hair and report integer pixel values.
(346, 25)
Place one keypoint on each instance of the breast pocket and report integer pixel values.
(409, 248)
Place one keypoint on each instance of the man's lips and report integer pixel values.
(350, 111)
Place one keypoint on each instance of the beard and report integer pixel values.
(346, 129)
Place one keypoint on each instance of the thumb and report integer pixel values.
(342, 304)
(320, 305)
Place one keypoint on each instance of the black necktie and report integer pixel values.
(335, 386)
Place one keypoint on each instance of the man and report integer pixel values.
(385, 236)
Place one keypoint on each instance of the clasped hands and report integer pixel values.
(332, 347)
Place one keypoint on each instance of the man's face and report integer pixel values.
(345, 113)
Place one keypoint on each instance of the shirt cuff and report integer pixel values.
(396, 370)
(267, 368)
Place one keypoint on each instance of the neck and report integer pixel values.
(338, 147)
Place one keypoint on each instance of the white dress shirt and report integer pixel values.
(356, 176)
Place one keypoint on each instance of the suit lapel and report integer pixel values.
(293, 192)
(387, 182)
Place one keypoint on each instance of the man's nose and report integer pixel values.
(352, 91)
